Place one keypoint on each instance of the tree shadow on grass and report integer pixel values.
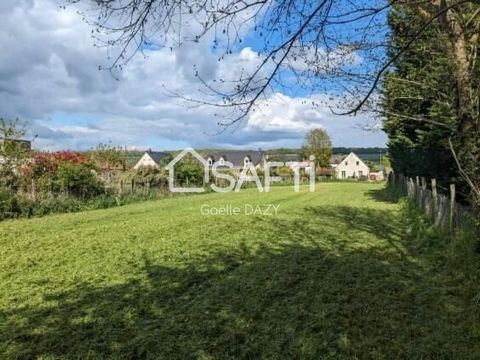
(387, 194)
(359, 225)
(312, 295)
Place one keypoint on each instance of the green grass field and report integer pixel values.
(335, 274)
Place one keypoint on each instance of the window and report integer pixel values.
(358, 163)
(246, 161)
(346, 163)
(210, 162)
(360, 173)
(344, 174)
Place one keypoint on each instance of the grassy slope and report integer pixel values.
(333, 275)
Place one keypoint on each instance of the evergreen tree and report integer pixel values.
(419, 103)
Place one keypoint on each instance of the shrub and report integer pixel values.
(64, 172)
(152, 176)
(78, 180)
(189, 173)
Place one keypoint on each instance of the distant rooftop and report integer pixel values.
(158, 156)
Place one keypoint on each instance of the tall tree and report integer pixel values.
(431, 120)
(13, 152)
(318, 144)
(418, 102)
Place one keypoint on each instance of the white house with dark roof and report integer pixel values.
(151, 159)
(239, 159)
(352, 167)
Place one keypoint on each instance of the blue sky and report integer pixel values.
(49, 78)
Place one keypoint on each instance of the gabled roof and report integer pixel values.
(157, 156)
(354, 157)
(237, 157)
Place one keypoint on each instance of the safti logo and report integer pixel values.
(247, 174)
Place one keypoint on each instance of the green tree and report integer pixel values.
(421, 103)
(13, 152)
(318, 144)
(107, 156)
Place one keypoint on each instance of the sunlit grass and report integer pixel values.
(333, 274)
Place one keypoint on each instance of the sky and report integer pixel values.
(50, 78)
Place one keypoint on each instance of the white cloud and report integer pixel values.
(282, 113)
(49, 76)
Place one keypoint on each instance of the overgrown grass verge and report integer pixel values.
(24, 206)
(456, 252)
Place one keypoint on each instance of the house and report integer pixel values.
(239, 159)
(152, 159)
(352, 167)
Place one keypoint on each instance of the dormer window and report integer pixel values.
(246, 161)
(210, 162)
(221, 161)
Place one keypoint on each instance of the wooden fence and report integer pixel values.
(132, 187)
(440, 207)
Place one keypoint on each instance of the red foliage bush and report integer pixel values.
(47, 163)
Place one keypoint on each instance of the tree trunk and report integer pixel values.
(460, 45)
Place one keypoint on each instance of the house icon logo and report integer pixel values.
(247, 173)
(171, 174)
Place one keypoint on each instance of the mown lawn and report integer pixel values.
(336, 274)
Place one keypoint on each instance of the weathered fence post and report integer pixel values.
(452, 207)
(411, 189)
(34, 192)
(424, 196)
(435, 201)
(133, 186)
(417, 180)
(424, 183)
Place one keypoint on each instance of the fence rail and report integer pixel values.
(443, 210)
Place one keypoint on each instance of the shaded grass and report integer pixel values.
(336, 274)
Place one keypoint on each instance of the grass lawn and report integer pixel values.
(335, 274)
